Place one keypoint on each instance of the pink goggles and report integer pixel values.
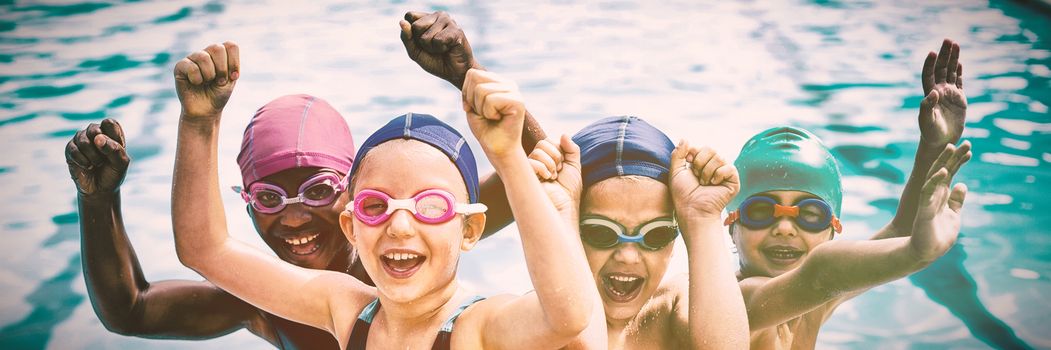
(431, 206)
(318, 190)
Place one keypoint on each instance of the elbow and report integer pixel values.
(573, 321)
(127, 322)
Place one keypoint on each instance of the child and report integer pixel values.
(793, 275)
(411, 254)
(639, 191)
(275, 157)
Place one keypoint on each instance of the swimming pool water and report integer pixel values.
(712, 73)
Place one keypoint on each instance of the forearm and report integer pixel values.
(717, 312)
(554, 255)
(198, 217)
(901, 224)
(492, 194)
(204, 245)
(111, 270)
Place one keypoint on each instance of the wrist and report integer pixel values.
(101, 198)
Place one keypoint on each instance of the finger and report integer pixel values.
(708, 171)
(540, 169)
(702, 156)
(114, 152)
(467, 90)
(111, 128)
(678, 157)
(447, 39)
(427, 39)
(412, 16)
(505, 105)
(934, 182)
(926, 116)
(943, 60)
(484, 92)
(204, 61)
(187, 70)
(539, 155)
(959, 76)
(927, 75)
(217, 52)
(406, 39)
(963, 155)
(87, 147)
(943, 158)
(551, 150)
(233, 59)
(954, 61)
(423, 24)
(570, 151)
(722, 174)
(74, 157)
(957, 197)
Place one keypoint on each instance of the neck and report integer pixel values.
(421, 314)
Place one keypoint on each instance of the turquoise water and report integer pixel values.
(713, 73)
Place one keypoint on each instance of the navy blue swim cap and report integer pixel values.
(626, 145)
(428, 129)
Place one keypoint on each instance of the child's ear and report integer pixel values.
(346, 222)
(472, 230)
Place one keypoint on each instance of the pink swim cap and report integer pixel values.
(295, 131)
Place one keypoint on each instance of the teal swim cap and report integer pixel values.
(787, 158)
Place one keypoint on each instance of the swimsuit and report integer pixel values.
(360, 335)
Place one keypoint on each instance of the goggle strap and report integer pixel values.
(784, 210)
(731, 218)
(473, 208)
(836, 225)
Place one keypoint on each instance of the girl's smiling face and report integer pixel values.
(408, 259)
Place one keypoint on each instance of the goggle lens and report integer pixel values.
(603, 233)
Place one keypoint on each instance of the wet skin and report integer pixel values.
(433, 249)
(782, 246)
(299, 223)
(642, 268)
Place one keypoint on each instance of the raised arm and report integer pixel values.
(841, 268)
(204, 81)
(702, 184)
(943, 113)
(558, 168)
(439, 46)
(562, 303)
(123, 299)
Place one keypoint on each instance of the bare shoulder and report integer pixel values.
(347, 305)
(471, 323)
(750, 284)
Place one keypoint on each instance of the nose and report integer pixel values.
(627, 253)
(785, 227)
(295, 215)
(400, 224)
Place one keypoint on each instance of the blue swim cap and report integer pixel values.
(428, 129)
(626, 145)
(787, 158)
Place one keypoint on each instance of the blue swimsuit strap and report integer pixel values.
(448, 325)
(370, 310)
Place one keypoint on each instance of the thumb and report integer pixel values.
(570, 151)
(927, 106)
(678, 157)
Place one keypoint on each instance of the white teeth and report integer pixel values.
(400, 256)
(302, 240)
(623, 278)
